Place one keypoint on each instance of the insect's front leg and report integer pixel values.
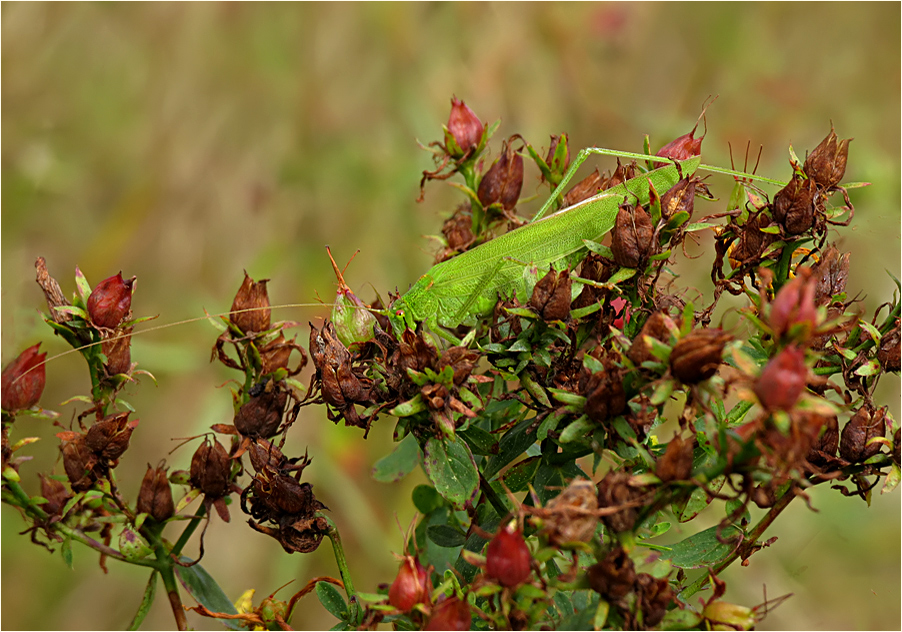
(559, 190)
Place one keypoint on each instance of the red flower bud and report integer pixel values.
(23, 380)
(507, 558)
(111, 301)
(411, 586)
(464, 126)
(783, 380)
(683, 147)
(450, 614)
(794, 305)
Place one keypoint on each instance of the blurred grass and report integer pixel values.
(184, 142)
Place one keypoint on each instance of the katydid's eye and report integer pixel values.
(399, 313)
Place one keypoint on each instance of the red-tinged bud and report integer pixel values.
(698, 354)
(682, 147)
(253, 298)
(783, 380)
(155, 496)
(353, 320)
(826, 165)
(794, 305)
(465, 127)
(23, 380)
(502, 182)
(450, 614)
(507, 559)
(111, 301)
(411, 586)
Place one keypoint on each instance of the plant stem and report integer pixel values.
(342, 562)
(172, 589)
(189, 531)
(746, 546)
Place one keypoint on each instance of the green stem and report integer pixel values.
(354, 615)
(172, 589)
(749, 542)
(189, 531)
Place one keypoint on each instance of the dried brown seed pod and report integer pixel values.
(109, 437)
(826, 164)
(680, 197)
(794, 205)
(210, 469)
(616, 490)
(826, 430)
(614, 576)
(659, 326)
(584, 189)
(118, 352)
(261, 415)
(502, 182)
(676, 462)
(831, 272)
(696, 356)
(56, 494)
(655, 595)
(566, 521)
(252, 304)
(80, 462)
(155, 496)
(866, 424)
(631, 239)
(605, 397)
(551, 296)
(888, 353)
(462, 361)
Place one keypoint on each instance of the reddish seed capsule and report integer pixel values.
(507, 558)
(155, 496)
(111, 301)
(464, 126)
(23, 380)
(503, 181)
(794, 305)
(783, 380)
(450, 614)
(252, 306)
(411, 586)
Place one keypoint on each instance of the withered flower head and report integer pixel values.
(826, 165)
(109, 437)
(261, 415)
(502, 182)
(252, 306)
(888, 353)
(616, 490)
(79, 462)
(566, 521)
(551, 296)
(155, 496)
(698, 354)
(118, 352)
(52, 292)
(826, 430)
(658, 326)
(676, 462)
(683, 147)
(621, 174)
(783, 379)
(584, 189)
(752, 241)
(210, 469)
(462, 360)
(631, 239)
(465, 128)
(56, 494)
(866, 424)
(605, 397)
(655, 594)
(831, 272)
(679, 197)
(794, 305)
(23, 380)
(794, 205)
(614, 576)
(458, 233)
(111, 301)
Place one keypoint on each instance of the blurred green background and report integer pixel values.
(184, 142)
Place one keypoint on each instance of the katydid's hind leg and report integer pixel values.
(559, 189)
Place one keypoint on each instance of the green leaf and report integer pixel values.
(332, 600)
(514, 443)
(201, 585)
(892, 479)
(549, 423)
(601, 614)
(621, 275)
(480, 441)
(66, 552)
(395, 466)
(576, 430)
(450, 466)
(662, 392)
(679, 619)
(599, 249)
(446, 535)
(534, 389)
(426, 499)
(150, 591)
(687, 509)
(410, 407)
(519, 476)
(704, 549)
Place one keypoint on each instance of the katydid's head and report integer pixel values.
(400, 317)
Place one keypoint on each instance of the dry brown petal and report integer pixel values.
(614, 576)
(631, 239)
(698, 354)
(252, 304)
(866, 424)
(551, 296)
(793, 206)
